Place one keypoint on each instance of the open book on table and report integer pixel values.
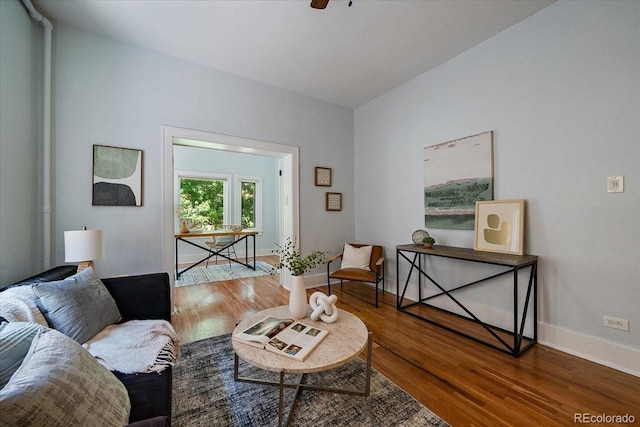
(284, 336)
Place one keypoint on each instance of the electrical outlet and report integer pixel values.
(615, 184)
(616, 323)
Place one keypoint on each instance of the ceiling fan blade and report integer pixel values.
(319, 4)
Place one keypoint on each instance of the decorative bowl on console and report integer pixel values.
(418, 235)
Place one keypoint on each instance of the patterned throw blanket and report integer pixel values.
(136, 346)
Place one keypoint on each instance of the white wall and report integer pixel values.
(111, 93)
(20, 136)
(235, 164)
(561, 91)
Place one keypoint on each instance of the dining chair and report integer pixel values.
(223, 244)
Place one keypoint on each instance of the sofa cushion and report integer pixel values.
(79, 306)
(143, 296)
(353, 257)
(150, 393)
(60, 384)
(15, 340)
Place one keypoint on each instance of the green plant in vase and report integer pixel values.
(291, 258)
(428, 242)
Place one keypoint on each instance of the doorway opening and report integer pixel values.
(288, 184)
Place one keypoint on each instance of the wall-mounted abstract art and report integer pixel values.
(457, 174)
(117, 176)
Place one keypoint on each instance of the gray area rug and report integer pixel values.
(226, 271)
(205, 394)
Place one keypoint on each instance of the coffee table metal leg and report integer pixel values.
(281, 400)
(293, 401)
(299, 386)
(367, 386)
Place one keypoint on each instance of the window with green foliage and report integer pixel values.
(202, 202)
(209, 200)
(248, 204)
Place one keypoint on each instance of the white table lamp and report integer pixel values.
(83, 246)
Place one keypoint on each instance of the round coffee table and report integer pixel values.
(347, 338)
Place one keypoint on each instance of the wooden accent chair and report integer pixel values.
(371, 272)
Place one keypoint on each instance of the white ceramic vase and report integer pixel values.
(298, 298)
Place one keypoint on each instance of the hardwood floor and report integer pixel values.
(465, 383)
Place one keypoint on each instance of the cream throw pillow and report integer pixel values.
(353, 257)
(19, 305)
(60, 384)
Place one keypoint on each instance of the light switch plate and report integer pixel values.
(615, 184)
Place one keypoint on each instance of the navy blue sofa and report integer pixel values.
(138, 297)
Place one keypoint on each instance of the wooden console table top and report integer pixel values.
(471, 255)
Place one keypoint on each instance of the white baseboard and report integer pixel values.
(616, 356)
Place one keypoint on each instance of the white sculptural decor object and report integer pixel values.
(323, 307)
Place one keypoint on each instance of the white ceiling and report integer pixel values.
(344, 55)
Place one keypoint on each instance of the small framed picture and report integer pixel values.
(117, 176)
(499, 226)
(334, 201)
(323, 177)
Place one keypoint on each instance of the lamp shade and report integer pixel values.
(83, 245)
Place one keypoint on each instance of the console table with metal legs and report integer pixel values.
(239, 235)
(418, 256)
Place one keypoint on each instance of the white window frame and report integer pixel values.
(239, 179)
(227, 182)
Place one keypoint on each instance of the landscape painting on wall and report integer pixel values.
(457, 174)
(117, 176)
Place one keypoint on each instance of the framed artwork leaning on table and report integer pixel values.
(499, 226)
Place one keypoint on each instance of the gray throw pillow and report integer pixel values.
(15, 340)
(60, 384)
(79, 306)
